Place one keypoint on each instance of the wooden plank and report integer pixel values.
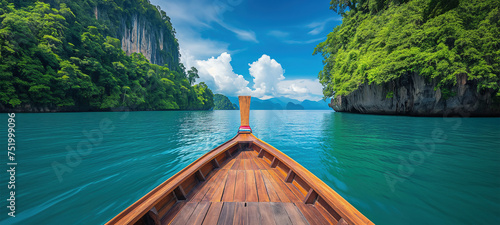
(217, 183)
(277, 188)
(213, 213)
(325, 214)
(266, 213)
(295, 215)
(311, 214)
(249, 154)
(215, 194)
(298, 183)
(264, 163)
(199, 213)
(273, 196)
(229, 164)
(248, 164)
(203, 189)
(172, 213)
(293, 188)
(240, 214)
(253, 152)
(342, 222)
(283, 187)
(239, 189)
(236, 165)
(261, 187)
(244, 154)
(242, 164)
(251, 164)
(184, 214)
(280, 214)
(228, 194)
(323, 205)
(258, 164)
(316, 214)
(251, 187)
(253, 214)
(227, 213)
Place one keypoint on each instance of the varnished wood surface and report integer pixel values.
(249, 194)
(244, 109)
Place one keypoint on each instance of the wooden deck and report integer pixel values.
(246, 190)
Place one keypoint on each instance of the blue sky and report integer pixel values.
(253, 47)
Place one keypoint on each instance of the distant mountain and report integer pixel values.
(319, 105)
(265, 105)
(281, 103)
(291, 106)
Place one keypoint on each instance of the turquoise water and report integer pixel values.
(395, 170)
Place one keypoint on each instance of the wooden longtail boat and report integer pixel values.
(243, 181)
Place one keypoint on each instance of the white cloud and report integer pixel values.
(266, 73)
(268, 78)
(301, 89)
(218, 74)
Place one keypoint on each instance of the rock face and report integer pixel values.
(138, 35)
(415, 96)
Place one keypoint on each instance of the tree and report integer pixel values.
(382, 40)
(192, 75)
(221, 102)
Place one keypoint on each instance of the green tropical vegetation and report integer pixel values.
(221, 102)
(382, 40)
(56, 54)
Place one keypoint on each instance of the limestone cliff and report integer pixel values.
(414, 95)
(139, 35)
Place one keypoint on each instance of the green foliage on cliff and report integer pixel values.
(56, 54)
(222, 103)
(381, 40)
